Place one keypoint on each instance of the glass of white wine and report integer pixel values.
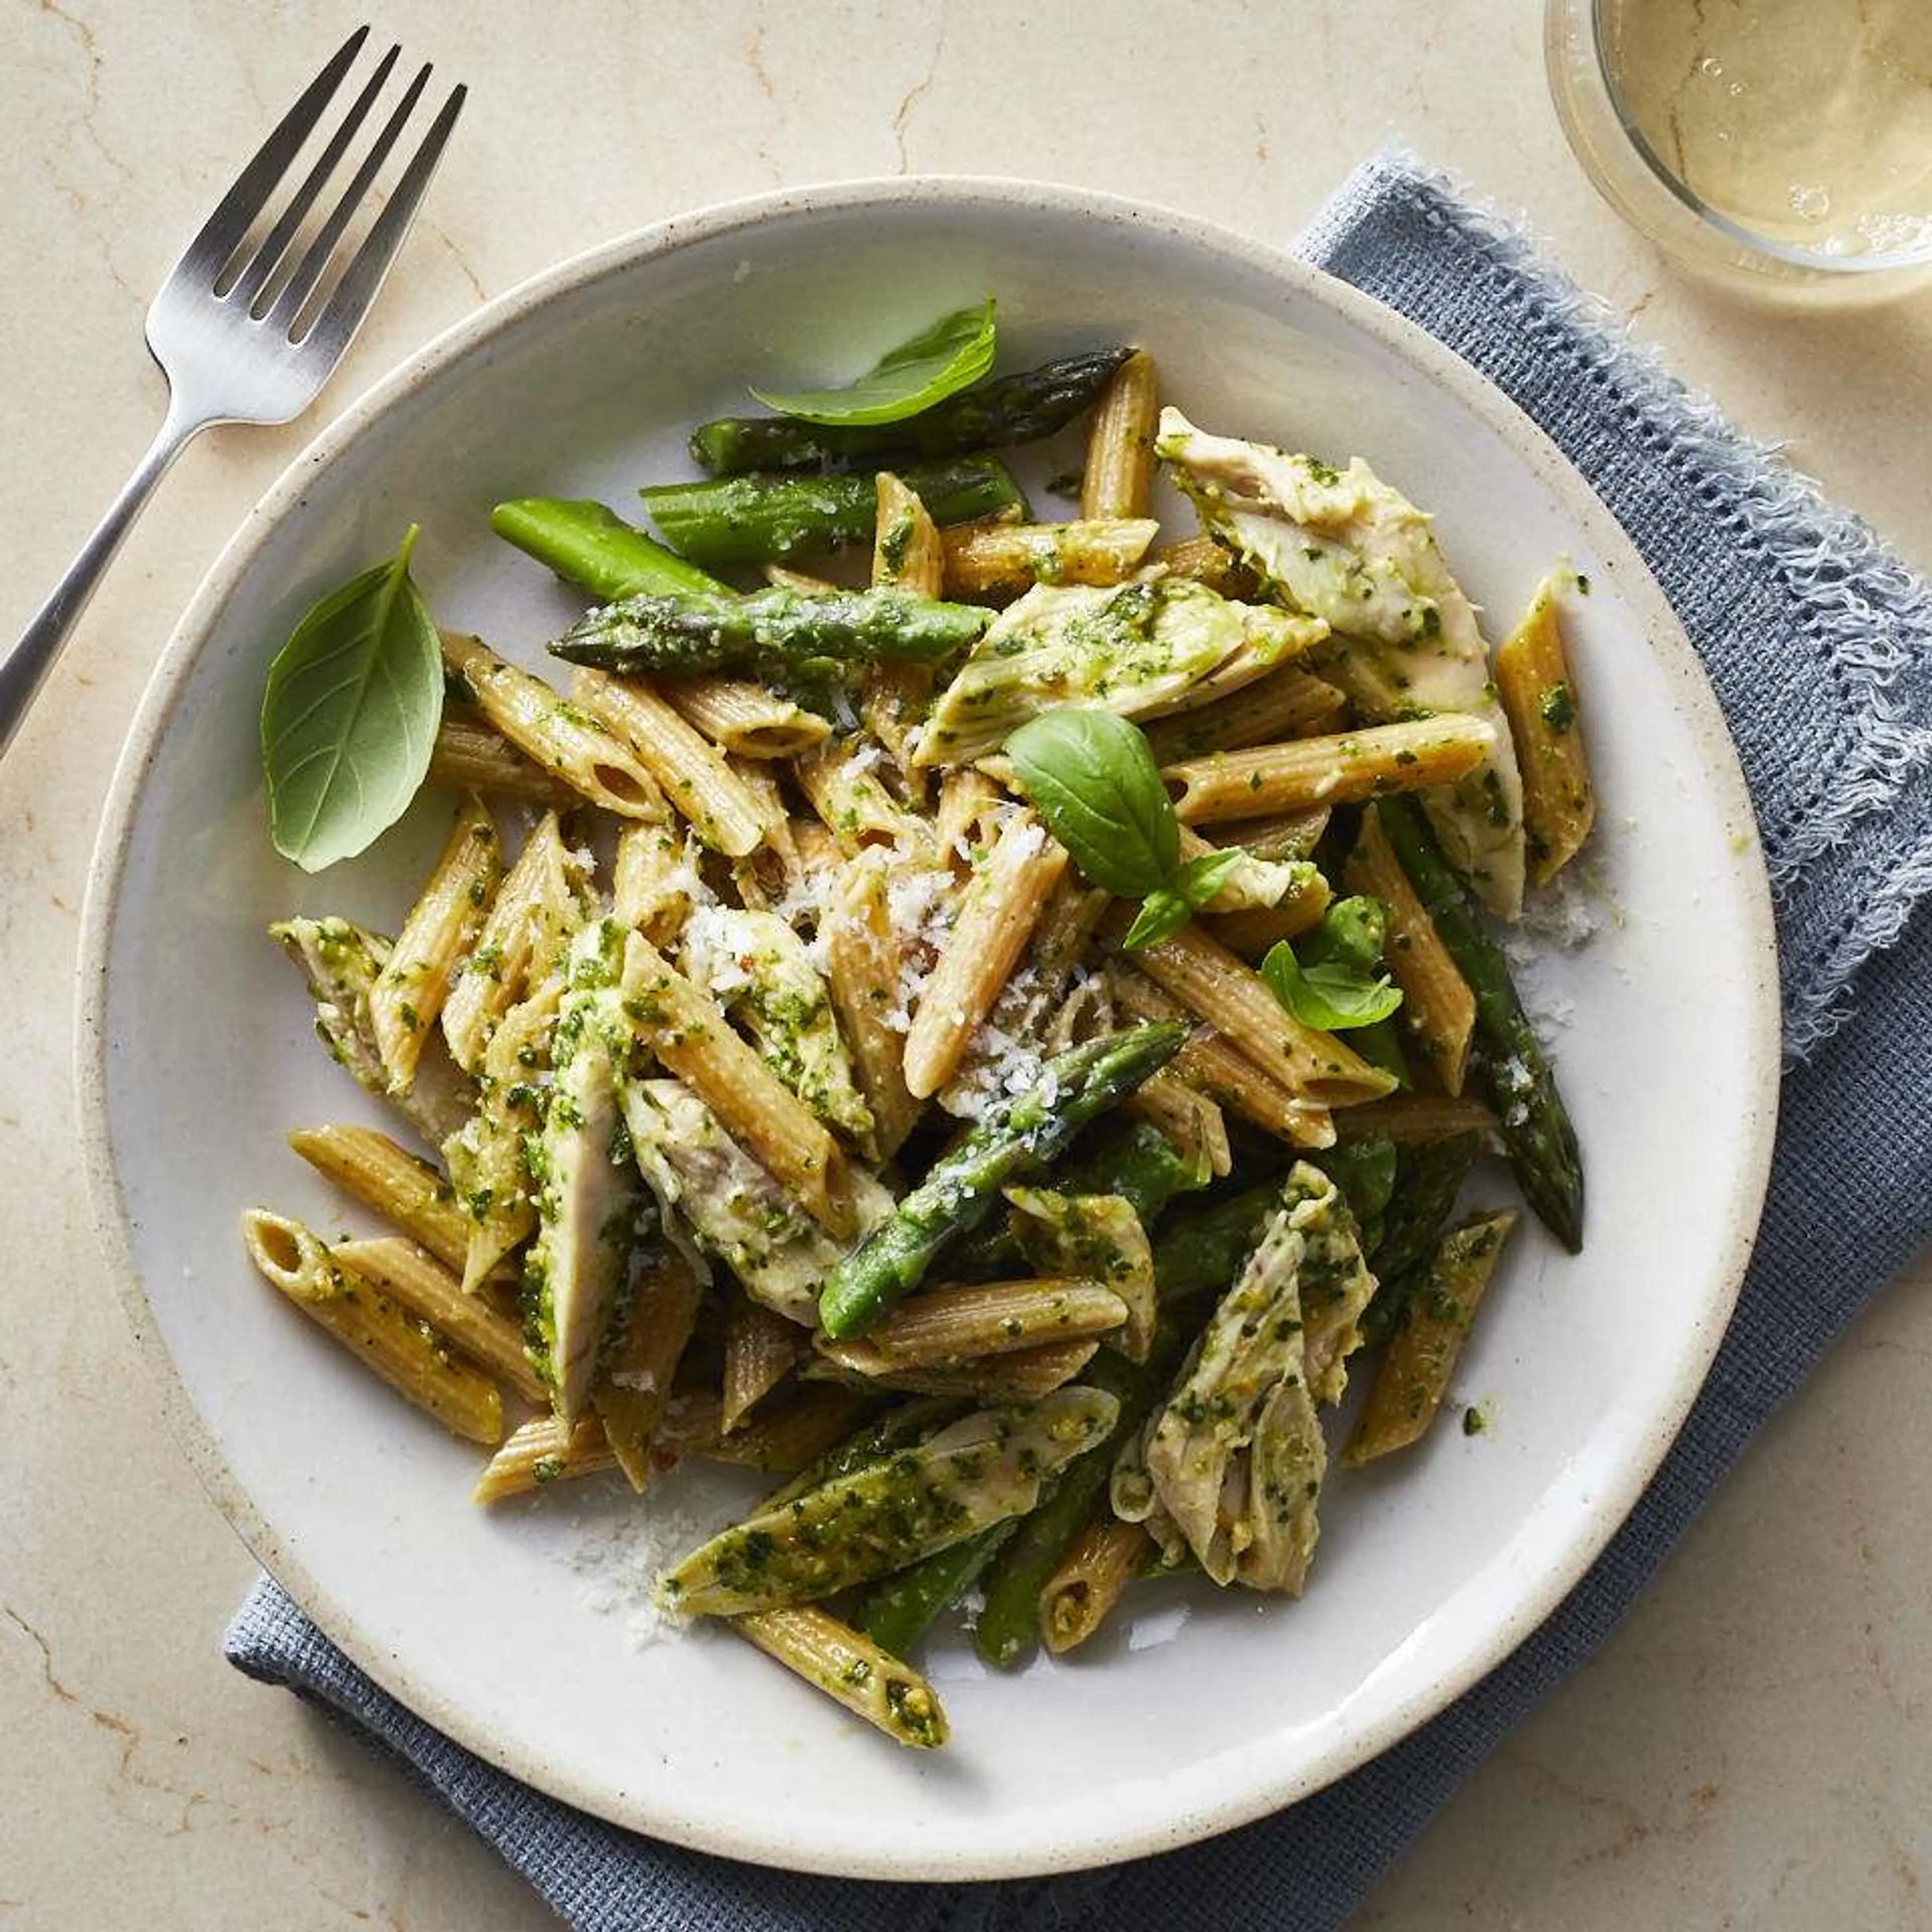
(1786, 143)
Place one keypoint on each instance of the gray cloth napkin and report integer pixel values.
(1820, 643)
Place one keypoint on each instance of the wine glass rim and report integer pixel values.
(1727, 225)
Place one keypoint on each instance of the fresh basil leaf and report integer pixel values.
(1162, 914)
(1331, 996)
(1200, 879)
(1092, 777)
(956, 351)
(349, 715)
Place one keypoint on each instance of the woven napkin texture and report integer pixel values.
(1819, 644)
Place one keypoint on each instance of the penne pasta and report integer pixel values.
(1204, 561)
(634, 1379)
(1253, 931)
(1188, 1118)
(541, 1451)
(1438, 1010)
(950, 1326)
(1088, 1580)
(998, 913)
(655, 881)
(850, 1670)
(864, 967)
(761, 1348)
(1539, 698)
(1118, 479)
(783, 1435)
(908, 554)
(408, 1192)
(1284, 836)
(744, 718)
(1213, 1066)
(841, 783)
(541, 900)
(693, 774)
(1024, 1376)
(1289, 703)
(1226, 992)
(1414, 1375)
(592, 760)
(469, 755)
(415, 1280)
(1343, 768)
(407, 998)
(403, 1350)
(996, 563)
(691, 1037)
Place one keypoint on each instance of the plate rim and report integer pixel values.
(1253, 1796)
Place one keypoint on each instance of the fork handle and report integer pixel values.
(25, 668)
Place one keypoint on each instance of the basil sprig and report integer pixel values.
(1335, 982)
(349, 715)
(1092, 777)
(937, 362)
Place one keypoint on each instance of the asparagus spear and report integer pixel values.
(897, 1611)
(1534, 1125)
(1203, 1251)
(758, 518)
(772, 632)
(1016, 409)
(1428, 1179)
(1019, 1137)
(975, 1472)
(593, 547)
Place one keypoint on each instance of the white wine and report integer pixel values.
(1807, 122)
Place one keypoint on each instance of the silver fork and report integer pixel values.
(236, 344)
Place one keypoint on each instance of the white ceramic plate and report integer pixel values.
(1202, 1711)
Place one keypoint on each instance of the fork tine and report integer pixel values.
(314, 263)
(224, 230)
(257, 274)
(363, 278)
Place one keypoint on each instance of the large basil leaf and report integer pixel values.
(349, 716)
(1092, 777)
(955, 351)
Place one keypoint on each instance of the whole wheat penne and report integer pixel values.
(997, 912)
(655, 881)
(592, 760)
(1412, 1119)
(410, 1356)
(542, 1451)
(634, 1381)
(966, 819)
(996, 563)
(539, 901)
(442, 927)
(1290, 703)
(740, 716)
(470, 755)
(761, 1348)
(1233, 998)
(1281, 835)
(782, 1435)
(1212, 1065)
(416, 1280)
(1118, 479)
(1539, 697)
(409, 1192)
(1207, 561)
(1089, 1580)
(784, 577)
(1341, 768)
(693, 774)
(851, 1670)
(863, 965)
(950, 1325)
(1024, 1376)
(1189, 1119)
(1414, 1375)
(906, 555)
(691, 1037)
(1253, 931)
(841, 783)
(1438, 1010)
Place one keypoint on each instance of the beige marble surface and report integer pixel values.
(1749, 1750)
